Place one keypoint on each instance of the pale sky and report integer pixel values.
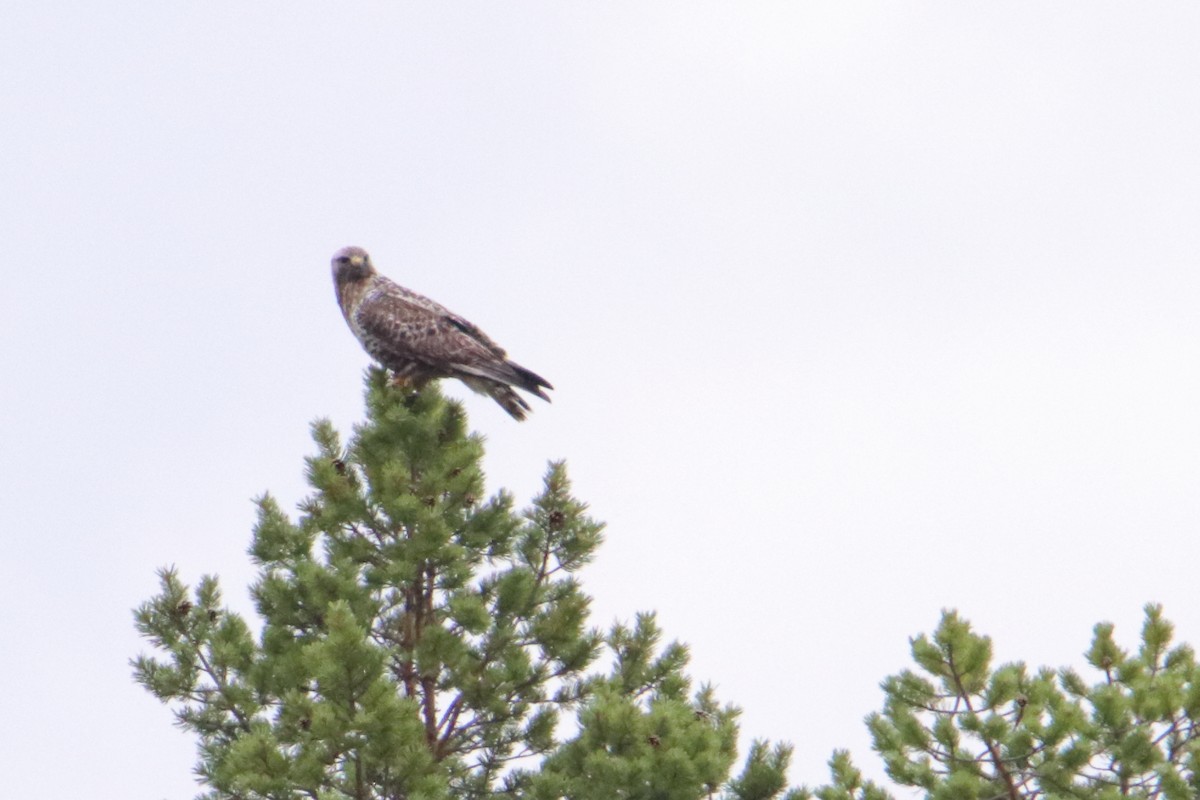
(855, 312)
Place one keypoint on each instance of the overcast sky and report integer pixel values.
(855, 311)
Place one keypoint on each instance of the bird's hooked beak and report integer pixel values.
(351, 263)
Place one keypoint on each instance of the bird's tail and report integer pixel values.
(503, 394)
(497, 381)
(529, 380)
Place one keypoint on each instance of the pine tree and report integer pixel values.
(419, 639)
(959, 728)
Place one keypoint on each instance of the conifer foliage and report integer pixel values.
(960, 726)
(420, 639)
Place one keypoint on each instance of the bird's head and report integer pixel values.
(351, 264)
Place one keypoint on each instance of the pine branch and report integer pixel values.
(993, 751)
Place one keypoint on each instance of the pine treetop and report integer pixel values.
(423, 639)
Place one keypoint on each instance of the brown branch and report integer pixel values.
(425, 583)
(408, 640)
(360, 784)
(448, 723)
(429, 707)
(997, 761)
(222, 688)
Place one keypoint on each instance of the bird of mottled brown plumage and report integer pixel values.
(420, 340)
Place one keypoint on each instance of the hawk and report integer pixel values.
(419, 340)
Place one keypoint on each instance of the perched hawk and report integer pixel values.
(419, 340)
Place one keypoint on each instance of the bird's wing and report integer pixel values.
(400, 323)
